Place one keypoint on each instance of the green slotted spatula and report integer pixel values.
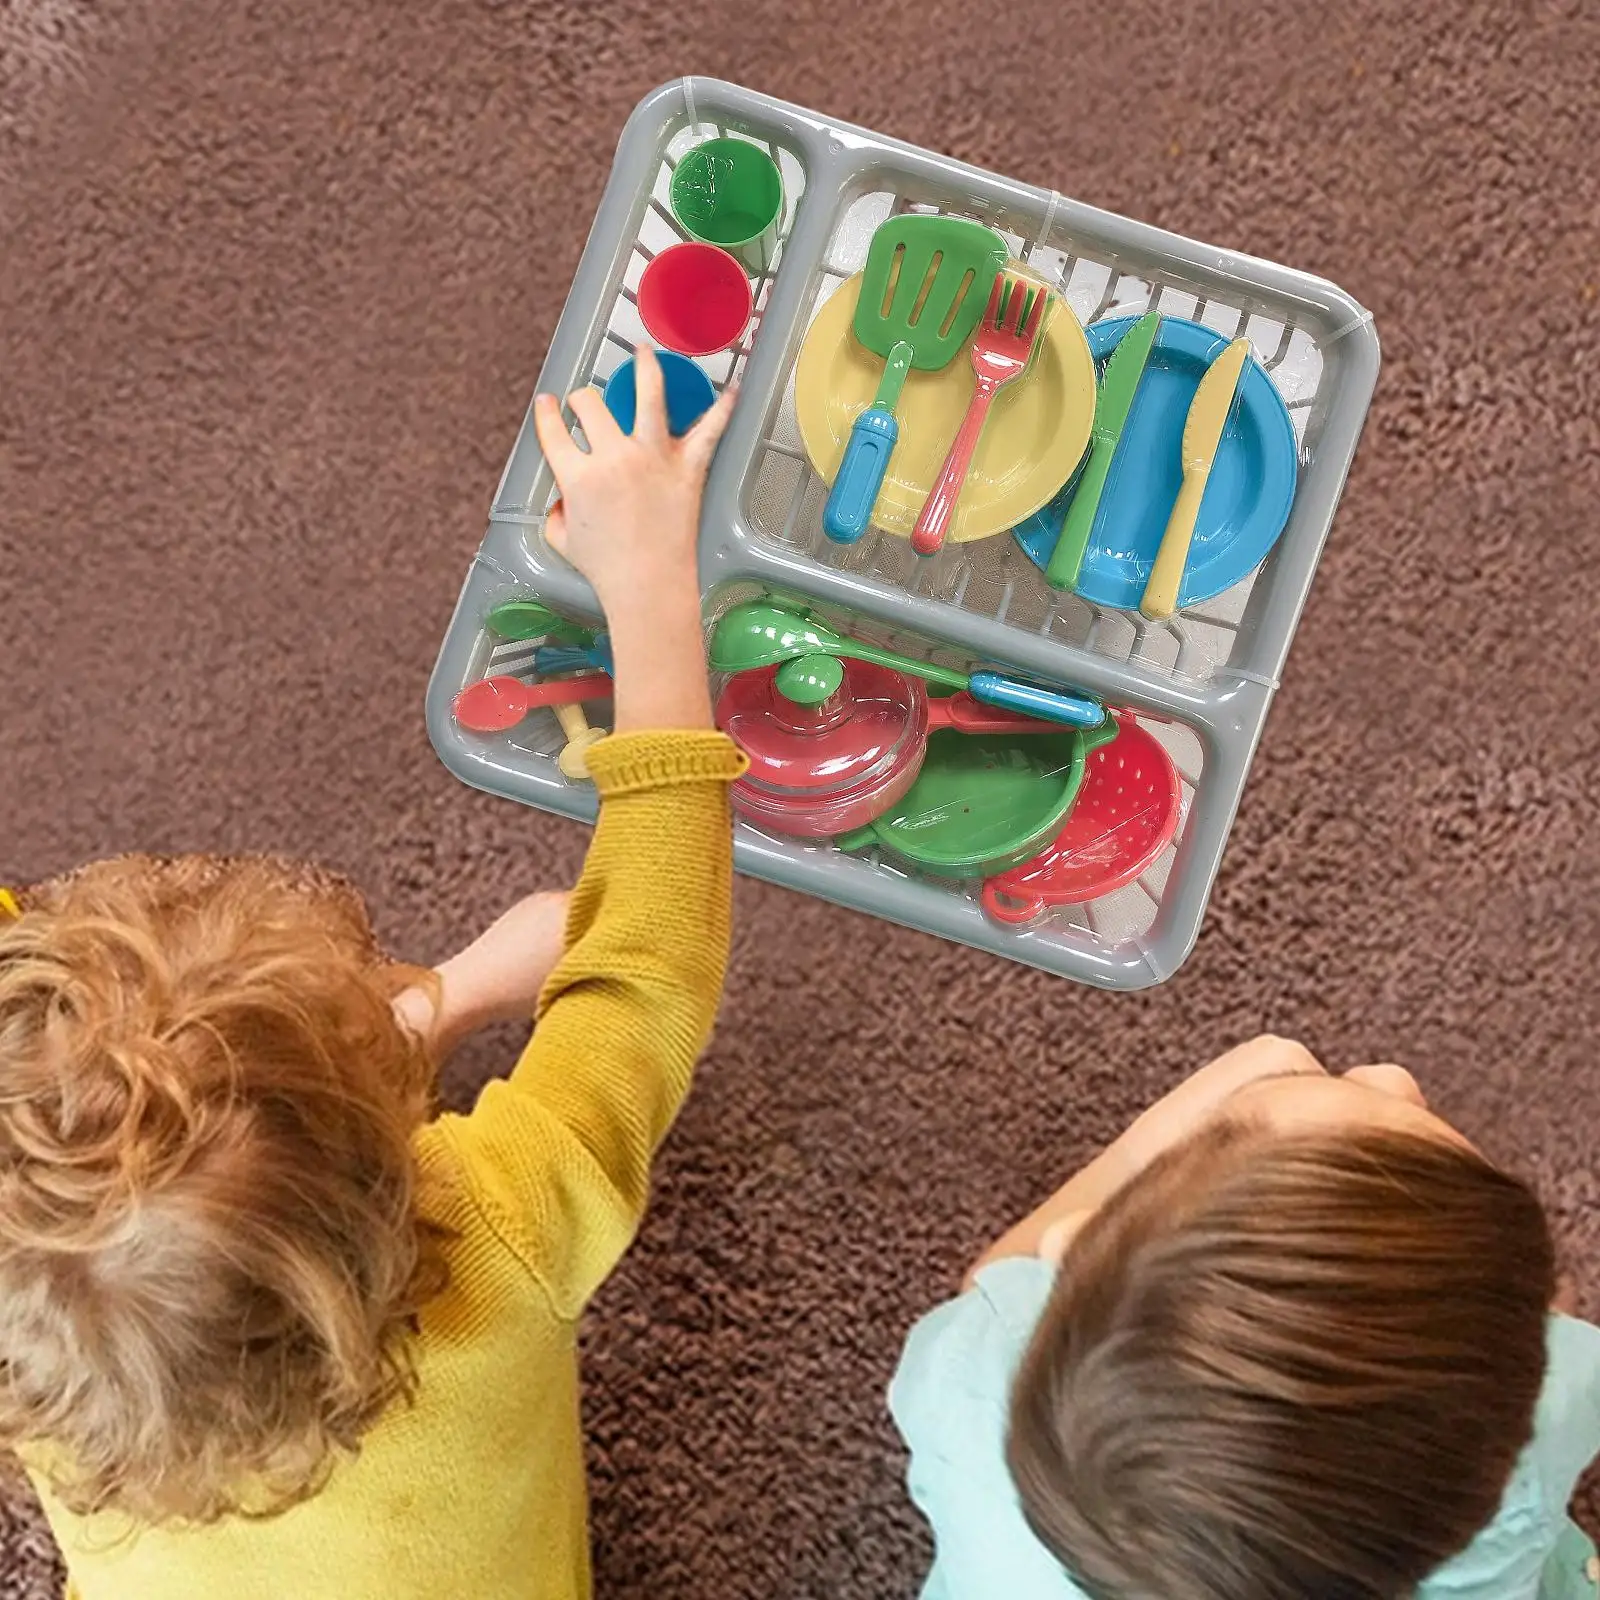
(923, 290)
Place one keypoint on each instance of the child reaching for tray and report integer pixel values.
(265, 1329)
(1289, 1338)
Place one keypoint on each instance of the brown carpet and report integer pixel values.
(276, 281)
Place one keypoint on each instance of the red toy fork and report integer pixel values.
(1000, 352)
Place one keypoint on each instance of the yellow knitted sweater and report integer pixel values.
(476, 1491)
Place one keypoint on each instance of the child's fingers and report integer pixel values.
(701, 440)
(555, 528)
(560, 448)
(650, 396)
(599, 425)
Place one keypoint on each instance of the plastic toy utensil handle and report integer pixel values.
(1161, 588)
(860, 476)
(574, 758)
(946, 677)
(1033, 700)
(550, 659)
(927, 538)
(568, 691)
(966, 715)
(1066, 560)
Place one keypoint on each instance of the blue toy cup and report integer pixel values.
(689, 393)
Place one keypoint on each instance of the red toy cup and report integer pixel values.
(695, 299)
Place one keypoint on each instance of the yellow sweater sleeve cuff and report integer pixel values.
(632, 763)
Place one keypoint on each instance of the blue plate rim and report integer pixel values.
(1203, 343)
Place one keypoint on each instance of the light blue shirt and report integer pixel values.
(950, 1400)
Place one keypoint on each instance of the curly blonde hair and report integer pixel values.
(211, 1252)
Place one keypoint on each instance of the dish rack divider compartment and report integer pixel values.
(1202, 681)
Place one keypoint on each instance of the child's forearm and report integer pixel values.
(627, 1011)
(497, 978)
(449, 1011)
(1082, 1194)
(658, 654)
(1091, 1186)
(446, 1013)
(1197, 1098)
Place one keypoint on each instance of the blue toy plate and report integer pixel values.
(689, 394)
(1247, 496)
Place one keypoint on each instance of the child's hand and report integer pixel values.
(628, 520)
(499, 975)
(497, 978)
(630, 506)
(1050, 1229)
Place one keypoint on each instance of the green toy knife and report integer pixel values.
(1112, 406)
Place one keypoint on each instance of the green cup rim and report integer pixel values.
(743, 146)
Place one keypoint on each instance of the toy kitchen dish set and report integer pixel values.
(1002, 551)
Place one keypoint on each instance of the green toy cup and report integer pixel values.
(729, 192)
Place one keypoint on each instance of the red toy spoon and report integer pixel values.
(494, 704)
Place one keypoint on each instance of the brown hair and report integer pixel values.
(1285, 1365)
(209, 1245)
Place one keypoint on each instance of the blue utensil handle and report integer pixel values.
(551, 659)
(1072, 710)
(860, 475)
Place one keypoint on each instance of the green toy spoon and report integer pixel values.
(527, 619)
(759, 633)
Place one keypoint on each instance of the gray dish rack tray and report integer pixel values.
(1201, 682)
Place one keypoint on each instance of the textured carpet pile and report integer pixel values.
(276, 280)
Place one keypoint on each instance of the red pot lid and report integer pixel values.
(871, 724)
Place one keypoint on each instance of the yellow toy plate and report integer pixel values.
(1036, 434)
